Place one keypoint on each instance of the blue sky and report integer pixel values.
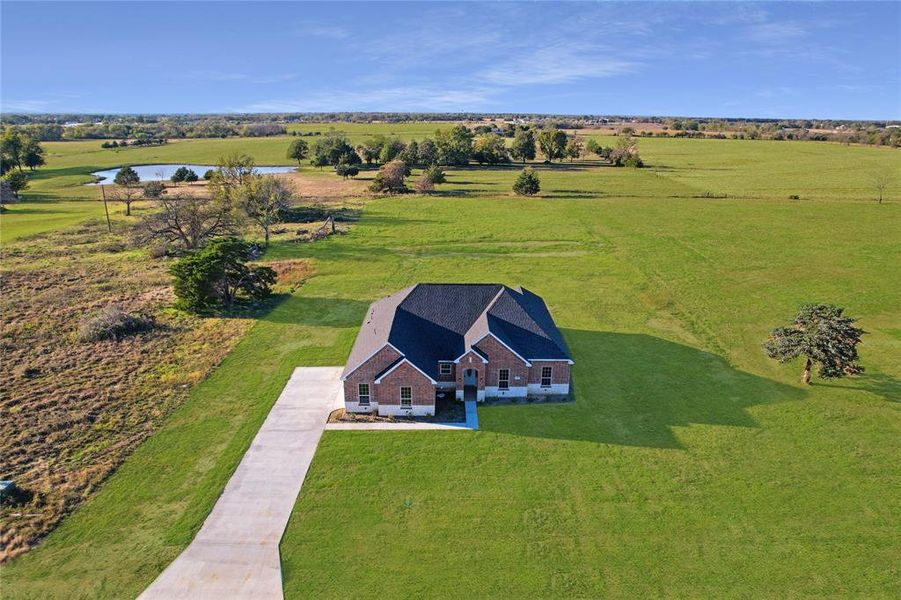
(826, 60)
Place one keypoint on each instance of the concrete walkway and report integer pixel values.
(472, 423)
(235, 554)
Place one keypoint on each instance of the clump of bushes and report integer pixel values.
(154, 189)
(345, 170)
(424, 184)
(390, 178)
(527, 183)
(112, 323)
(184, 174)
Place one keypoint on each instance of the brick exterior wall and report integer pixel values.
(499, 357)
(559, 375)
(423, 390)
(367, 372)
(471, 360)
(447, 378)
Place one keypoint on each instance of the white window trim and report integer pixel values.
(506, 381)
(401, 392)
(443, 365)
(550, 378)
(360, 394)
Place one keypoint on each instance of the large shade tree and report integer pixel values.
(298, 150)
(823, 336)
(263, 200)
(219, 275)
(553, 143)
(523, 147)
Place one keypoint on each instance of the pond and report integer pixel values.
(154, 172)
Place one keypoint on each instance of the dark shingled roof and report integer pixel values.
(430, 322)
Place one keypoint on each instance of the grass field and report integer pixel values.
(689, 464)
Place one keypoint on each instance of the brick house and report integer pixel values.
(475, 341)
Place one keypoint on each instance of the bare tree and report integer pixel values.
(127, 194)
(880, 183)
(186, 221)
(263, 200)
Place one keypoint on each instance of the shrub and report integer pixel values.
(209, 174)
(17, 181)
(527, 183)
(435, 174)
(346, 171)
(127, 177)
(390, 178)
(158, 251)
(424, 184)
(154, 189)
(180, 174)
(112, 323)
(794, 197)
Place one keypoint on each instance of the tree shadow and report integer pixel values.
(573, 194)
(634, 389)
(887, 386)
(312, 214)
(460, 193)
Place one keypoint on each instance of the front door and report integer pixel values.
(470, 377)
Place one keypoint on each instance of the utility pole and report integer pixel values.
(109, 225)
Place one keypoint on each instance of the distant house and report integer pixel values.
(475, 341)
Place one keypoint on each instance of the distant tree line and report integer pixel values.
(51, 127)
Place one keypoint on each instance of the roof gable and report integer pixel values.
(430, 322)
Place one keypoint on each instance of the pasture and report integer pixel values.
(689, 464)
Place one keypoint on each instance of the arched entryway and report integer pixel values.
(470, 383)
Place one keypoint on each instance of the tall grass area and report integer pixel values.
(688, 465)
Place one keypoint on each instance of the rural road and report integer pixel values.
(235, 554)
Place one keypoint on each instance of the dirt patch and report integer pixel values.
(71, 411)
(291, 273)
(325, 186)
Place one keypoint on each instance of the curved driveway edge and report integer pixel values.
(235, 553)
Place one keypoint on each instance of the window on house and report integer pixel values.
(546, 376)
(444, 368)
(406, 397)
(363, 394)
(503, 379)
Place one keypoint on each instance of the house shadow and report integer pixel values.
(326, 312)
(634, 389)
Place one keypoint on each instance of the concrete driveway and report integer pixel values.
(235, 554)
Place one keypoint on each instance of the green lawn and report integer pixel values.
(689, 465)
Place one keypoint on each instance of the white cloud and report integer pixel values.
(27, 105)
(219, 76)
(775, 32)
(323, 31)
(560, 63)
(378, 99)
